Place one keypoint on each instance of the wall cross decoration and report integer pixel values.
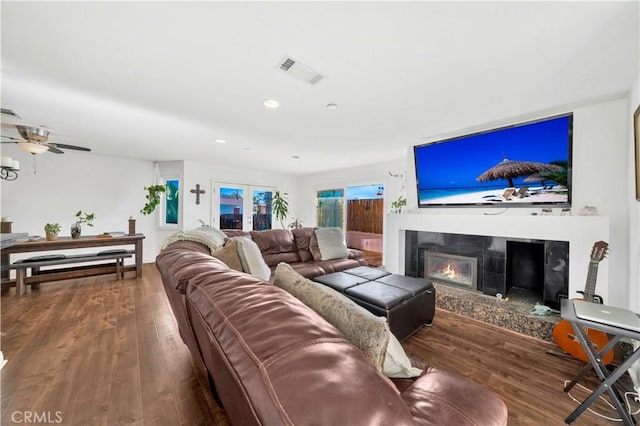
(197, 191)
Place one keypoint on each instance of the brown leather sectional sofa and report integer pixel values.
(295, 247)
(275, 361)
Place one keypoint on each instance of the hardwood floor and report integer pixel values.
(96, 351)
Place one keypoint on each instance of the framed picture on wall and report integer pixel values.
(636, 135)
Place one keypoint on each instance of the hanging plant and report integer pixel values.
(153, 198)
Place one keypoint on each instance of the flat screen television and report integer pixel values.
(522, 165)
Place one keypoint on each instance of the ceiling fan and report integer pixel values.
(35, 140)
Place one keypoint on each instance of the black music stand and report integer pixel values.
(607, 379)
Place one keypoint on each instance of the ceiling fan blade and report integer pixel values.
(65, 146)
(55, 150)
(10, 138)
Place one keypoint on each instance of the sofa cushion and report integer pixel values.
(251, 258)
(302, 238)
(276, 245)
(179, 266)
(441, 398)
(331, 243)
(313, 246)
(396, 362)
(363, 329)
(229, 255)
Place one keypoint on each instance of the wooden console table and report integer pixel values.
(68, 243)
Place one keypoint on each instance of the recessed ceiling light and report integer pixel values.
(271, 103)
(332, 106)
(221, 141)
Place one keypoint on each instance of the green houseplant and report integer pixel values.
(153, 198)
(51, 230)
(280, 207)
(81, 218)
(397, 205)
(297, 223)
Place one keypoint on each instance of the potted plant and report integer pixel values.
(52, 230)
(153, 198)
(280, 207)
(81, 218)
(297, 223)
(396, 206)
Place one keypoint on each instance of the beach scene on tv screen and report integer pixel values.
(526, 163)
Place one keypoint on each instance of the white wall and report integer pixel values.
(634, 206)
(110, 187)
(207, 175)
(600, 178)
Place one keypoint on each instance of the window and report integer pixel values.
(330, 208)
(243, 207)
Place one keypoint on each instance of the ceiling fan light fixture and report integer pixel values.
(33, 148)
(38, 134)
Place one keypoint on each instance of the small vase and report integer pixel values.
(75, 231)
(51, 236)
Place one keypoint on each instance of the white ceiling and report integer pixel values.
(163, 80)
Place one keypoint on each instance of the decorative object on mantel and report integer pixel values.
(547, 212)
(132, 225)
(197, 191)
(87, 218)
(51, 230)
(589, 211)
(280, 207)
(153, 198)
(5, 225)
(565, 211)
(396, 206)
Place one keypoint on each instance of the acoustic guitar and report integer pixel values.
(563, 333)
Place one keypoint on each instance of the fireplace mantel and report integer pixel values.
(580, 231)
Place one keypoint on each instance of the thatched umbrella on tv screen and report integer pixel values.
(509, 169)
(537, 177)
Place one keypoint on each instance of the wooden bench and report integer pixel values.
(45, 275)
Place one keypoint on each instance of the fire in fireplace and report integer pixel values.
(452, 269)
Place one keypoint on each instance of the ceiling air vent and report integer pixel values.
(9, 113)
(298, 70)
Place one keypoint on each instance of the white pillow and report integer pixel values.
(331, 243)
(365, 330)
(396, 362)
(251, 259)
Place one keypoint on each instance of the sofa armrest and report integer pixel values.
(355, 254)
(439, 397)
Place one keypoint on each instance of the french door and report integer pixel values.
(242, 207)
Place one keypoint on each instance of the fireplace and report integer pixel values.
(501, 265)
(453, 269)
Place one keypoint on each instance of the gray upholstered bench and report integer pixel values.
(408, 303)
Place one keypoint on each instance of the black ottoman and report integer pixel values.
(340, 281)
(408, 303)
